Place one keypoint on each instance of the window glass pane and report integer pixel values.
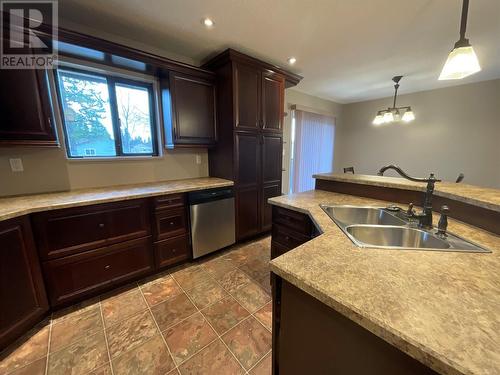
(135, 119)
(87, 114)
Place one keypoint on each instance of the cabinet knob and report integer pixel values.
(287, 238)
(171, 223)
(101, 225)
(107, 267)
(174, 250)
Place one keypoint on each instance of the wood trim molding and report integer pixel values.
(291, 79)
(468, 213)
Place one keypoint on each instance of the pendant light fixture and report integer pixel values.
(393, 114)
(462, 61)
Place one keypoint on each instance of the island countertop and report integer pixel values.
(488, 198)
(441, 308)
(11, 207)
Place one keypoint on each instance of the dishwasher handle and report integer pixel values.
(210, 195)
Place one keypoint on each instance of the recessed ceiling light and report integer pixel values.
(292, 60)
(208, 22)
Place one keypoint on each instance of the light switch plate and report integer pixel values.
(16, 165)
(198, 159)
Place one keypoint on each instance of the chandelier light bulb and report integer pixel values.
(408, 116)
(388, 117)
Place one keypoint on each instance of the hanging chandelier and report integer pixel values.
(394, 114)
(462, 61)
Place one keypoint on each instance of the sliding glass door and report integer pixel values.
(312, 144)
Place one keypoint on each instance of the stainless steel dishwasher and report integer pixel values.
(212, 220)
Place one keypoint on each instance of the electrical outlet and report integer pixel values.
(16, 165)
(198, 159)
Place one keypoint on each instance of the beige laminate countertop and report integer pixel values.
(23, 205)
(441, 308)
(476, 195)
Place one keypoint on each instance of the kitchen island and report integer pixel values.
(384, 310)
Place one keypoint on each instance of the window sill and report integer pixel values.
(112, 159)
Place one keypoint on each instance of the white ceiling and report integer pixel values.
(347, 50)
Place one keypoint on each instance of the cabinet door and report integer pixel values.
(247, 212)
(247, 154)
(272, 149)
(247, 86)
(273, 89)
(25, 112)
(268, 191)
(22, 292)
(193, 110)
(272, 156)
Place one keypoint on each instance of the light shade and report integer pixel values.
(408, 116)
(388, 117)
(378, 120)
(461, 62)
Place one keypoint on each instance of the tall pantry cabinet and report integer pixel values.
(250, 96)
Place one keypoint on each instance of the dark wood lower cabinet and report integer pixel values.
(22, 292)
(84, 251)
(172, 251)
(309, 337)
(247, 212)
(289, 230)
(74, 277)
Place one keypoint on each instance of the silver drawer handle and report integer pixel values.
(107, 267)
(171, 223)
(101, 225)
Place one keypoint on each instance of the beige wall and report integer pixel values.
(312, 102)
(456, 130)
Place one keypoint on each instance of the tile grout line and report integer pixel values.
(48, 344)
(105, 336)
(260, 360)
(238, 302)
(159, 330)
(204, 317)
(250, 313)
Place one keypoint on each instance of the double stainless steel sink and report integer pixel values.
(375, 227)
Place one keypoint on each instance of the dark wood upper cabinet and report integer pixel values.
(272, 102)
(247, 84)
(249, 150)
(25, 109)
(192, 118)
(22, 291)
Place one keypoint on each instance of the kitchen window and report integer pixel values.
(106, 116)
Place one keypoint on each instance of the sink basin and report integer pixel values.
(362, 215)
(375, 227)
(394, 236)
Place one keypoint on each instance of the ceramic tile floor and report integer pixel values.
(208, 317)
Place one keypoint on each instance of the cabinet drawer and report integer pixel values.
(294, 220)
(69, 231)
(170, 223)
(77, 276)
(287, 238)
(171, 251)
(169, 201)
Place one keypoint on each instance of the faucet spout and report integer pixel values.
(424, 218)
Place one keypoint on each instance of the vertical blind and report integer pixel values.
(312, 148)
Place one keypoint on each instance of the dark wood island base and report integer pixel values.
(309, 337)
